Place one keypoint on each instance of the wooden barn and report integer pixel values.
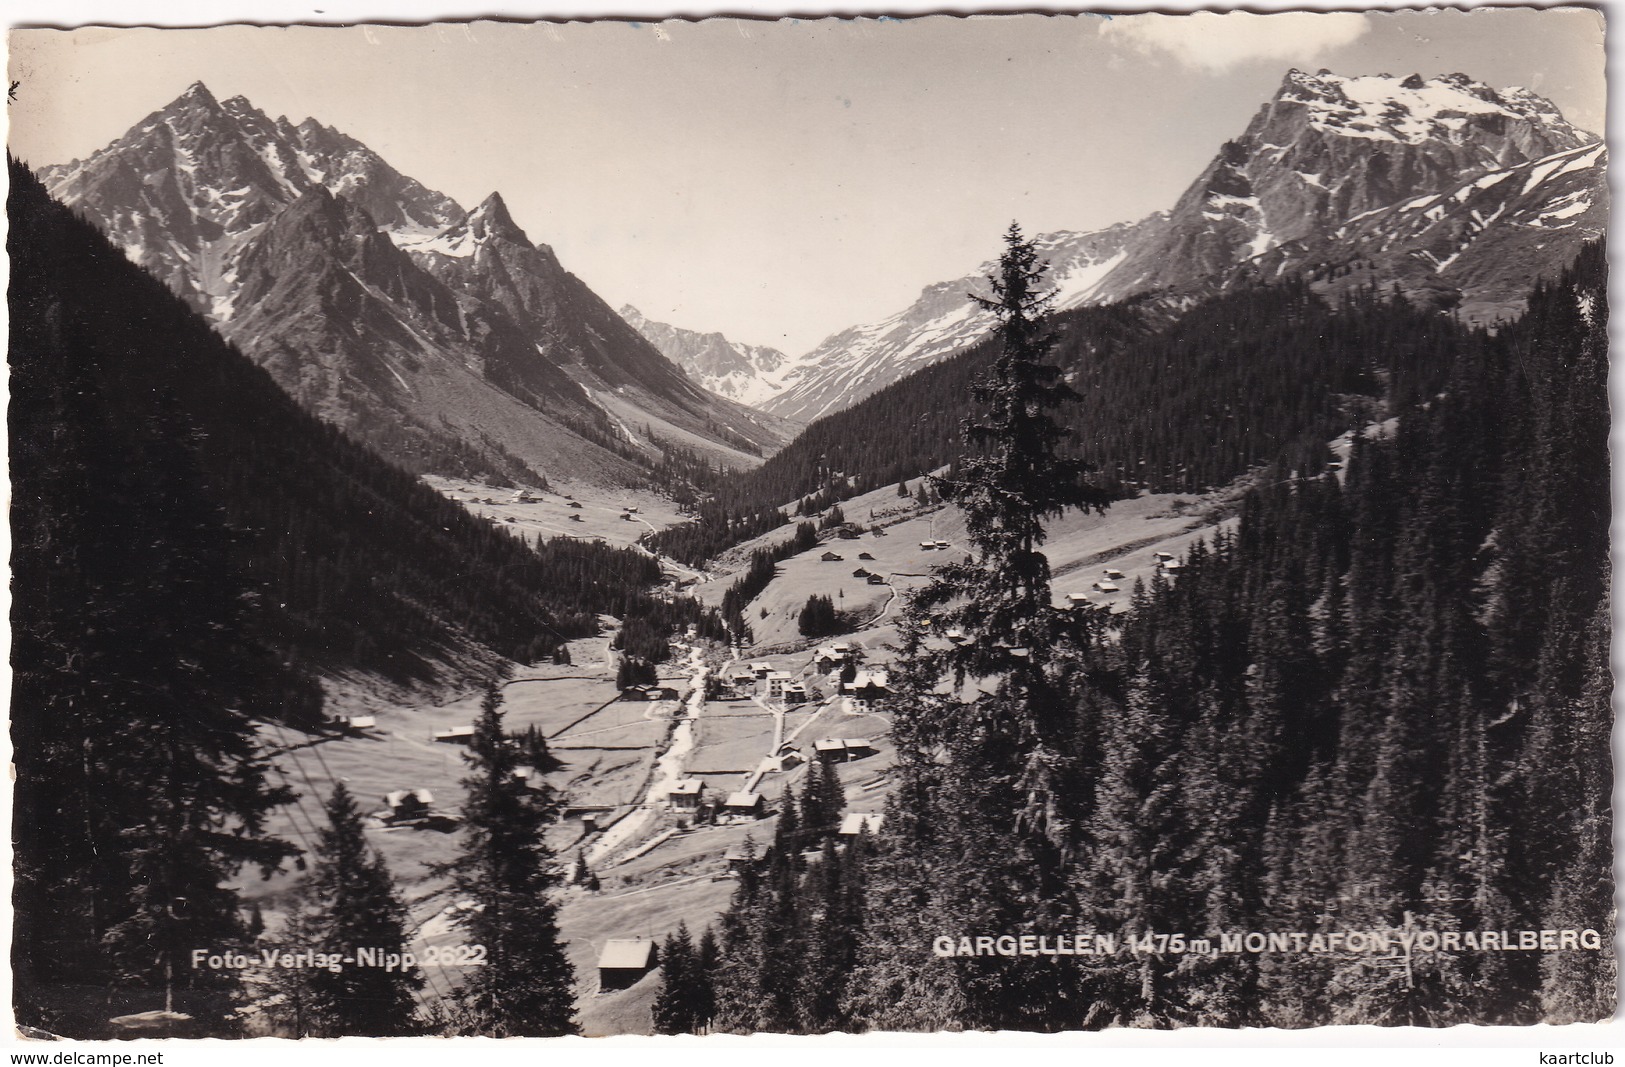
(858, 822)
(409, 803)
(744, 806)
(623, 962)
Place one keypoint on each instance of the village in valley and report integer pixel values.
(668, 789)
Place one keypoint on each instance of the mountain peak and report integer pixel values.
(491, 219)
(198, 93)
(1414, 110)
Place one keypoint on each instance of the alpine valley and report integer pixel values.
(376, 583)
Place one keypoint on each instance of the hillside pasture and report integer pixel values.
(599, 518)
(553, 704)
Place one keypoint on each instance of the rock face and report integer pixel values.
(746, 373)
(1327, 149)
(1460, 193)
(446, 339)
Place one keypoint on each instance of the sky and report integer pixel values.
(774, 180)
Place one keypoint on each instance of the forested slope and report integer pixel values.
(1372, 722)
(1170, 402)
(192, 551)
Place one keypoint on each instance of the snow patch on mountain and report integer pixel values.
(1078, 286)
(1381, 107)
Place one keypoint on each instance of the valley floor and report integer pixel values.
(618, 759)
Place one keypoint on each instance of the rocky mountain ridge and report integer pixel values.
(746, 373)
(446, 339)
(1316, 184)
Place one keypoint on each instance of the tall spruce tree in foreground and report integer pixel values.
(508, 874)
(980, 822)
(348, 902)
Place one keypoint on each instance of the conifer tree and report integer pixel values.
(507, 872)
(349, 901)
(812, 798)
(707, 957)
(739, 949)
(987, 773)
(679, 1005)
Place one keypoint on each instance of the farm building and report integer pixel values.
(456, 735)
(842, 749)
(830, 749)
(761, 668)
(848, 532)
(574, 504)
(738, 859)
(877, 579)
(744, 806)
(858, 822)
(1164, 557)
(861, 572)
(355, 723)
(1171, 566)
(858, 747)
(649, 692)
(867, 556)
(942, 545)
(866, 692)
(928, 546)
(623, 962)
(832, 557)
(408, 803)
(1107, 587)
(522, 497)
(1114, 575)
(685, 795)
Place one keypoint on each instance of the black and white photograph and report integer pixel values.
(877, 523)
